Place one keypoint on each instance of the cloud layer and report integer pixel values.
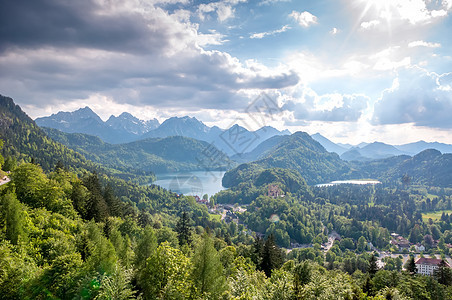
(350, 64)
(417, 97)
(127, 50)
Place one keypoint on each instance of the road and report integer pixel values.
(405, 257)
(4, 181)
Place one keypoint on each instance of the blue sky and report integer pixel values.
(353, 70)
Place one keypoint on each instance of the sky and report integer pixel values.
(353, 70)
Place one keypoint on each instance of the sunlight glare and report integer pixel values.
(381, 7)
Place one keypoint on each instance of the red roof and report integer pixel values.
(429, 261)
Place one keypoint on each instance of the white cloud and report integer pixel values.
(447, 4)
(389, 59)
(419, 97)
(423, 44)
(370, 24)
(305, 104)
(386, 64)
(412, 11)
(334, 31)
(170, 70)
(223, 9)
(212, 38)
(261, 35)
(270, 2)
(305, 19)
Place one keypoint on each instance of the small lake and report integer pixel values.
(192, 183)
(337, 182)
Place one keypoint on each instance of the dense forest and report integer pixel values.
(301, 153)
(156, 155)
(72, 229)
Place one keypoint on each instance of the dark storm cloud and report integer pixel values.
(419, 97)
(55, 51)
(189, 79)
(68, 23)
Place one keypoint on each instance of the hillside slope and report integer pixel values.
(158, 155)
(25, 141)
(299, 152)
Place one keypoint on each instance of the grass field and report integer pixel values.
(435, 215)
(218, 217)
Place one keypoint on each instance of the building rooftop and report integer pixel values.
(429, 261)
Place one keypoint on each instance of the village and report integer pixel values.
(400, 247)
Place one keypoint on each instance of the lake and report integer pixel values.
(192, 183)
(336, 182)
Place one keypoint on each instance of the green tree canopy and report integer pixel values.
(207, 269)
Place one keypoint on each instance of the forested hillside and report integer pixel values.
(24, 141)
(90, 235)
(158, 155)
(301, 153)
(429, 167)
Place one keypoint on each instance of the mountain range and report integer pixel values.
(299, 152)
(378, 150)
(121, 129)
(156, 155)
(236, 141)
(127, 128)
(25, 141)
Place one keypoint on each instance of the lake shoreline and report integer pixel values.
(195, 183)
(351, 181)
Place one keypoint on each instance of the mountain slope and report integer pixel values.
(121, 129)
(130, 124)
(353, 154)
(260, 151)
(301, 153)
(429, 167)
(127, 128)
(232, 141)
(158, 155)
(25, 141)
(414, 148)
(328, 145)
(375, 150)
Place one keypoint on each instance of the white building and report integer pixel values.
(426, 266)
(419, 248)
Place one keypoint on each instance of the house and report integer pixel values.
(201, 200)
(419, 247)
(426, 266)
(400, 242)
(274, 191)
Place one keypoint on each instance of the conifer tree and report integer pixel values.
(302, 275)
(372, 268)
(183, 229)
(13, 217)
(271, 256)
(113, 203)
(258, 246)
(96, 207)
(368, 286)
(207, 269)
(411, 266)
(443, 274)
(1, 157)
(145, 248)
